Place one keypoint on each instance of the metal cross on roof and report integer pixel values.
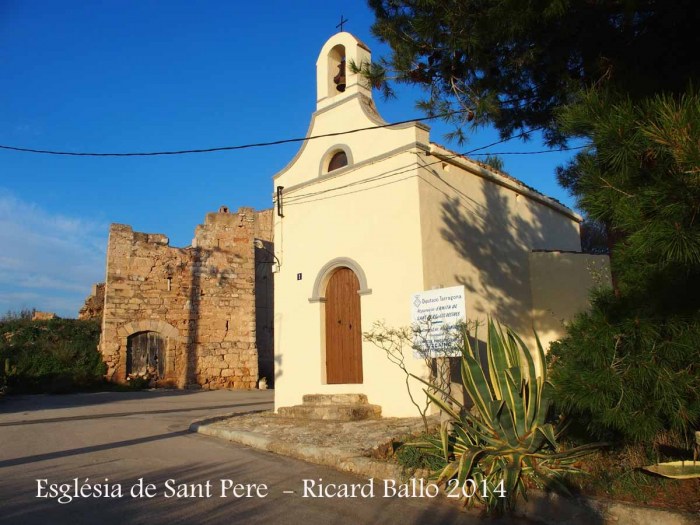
(340, 25)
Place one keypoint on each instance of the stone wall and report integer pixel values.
(94, 304)
(264, 295)
(200, 299)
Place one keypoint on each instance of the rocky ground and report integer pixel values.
(351, 446)
(361, 447)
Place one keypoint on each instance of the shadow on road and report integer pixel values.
(87, 450)
(27, 403)
(257, 468)
(126, 414)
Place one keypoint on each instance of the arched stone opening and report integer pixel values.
(171, 363)
(335, 158)
(338, 288)
(336, 70)
(318, 292)
(146, 355)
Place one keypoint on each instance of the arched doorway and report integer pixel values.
(343, 328)
(145, 354)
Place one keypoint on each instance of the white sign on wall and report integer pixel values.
(436, 313)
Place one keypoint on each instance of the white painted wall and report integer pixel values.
(413, 217)
(478, 229)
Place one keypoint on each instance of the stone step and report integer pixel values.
(335, 399)
(334, 412)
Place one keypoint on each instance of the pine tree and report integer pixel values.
(619, 74)
(513, 63)
(630, 367)
(641, 177)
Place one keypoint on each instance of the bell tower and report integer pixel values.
(335, 80)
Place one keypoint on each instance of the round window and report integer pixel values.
(338, 160)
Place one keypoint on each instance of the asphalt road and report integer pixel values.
(123, 437)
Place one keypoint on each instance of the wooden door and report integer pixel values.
(343, 328)
(145, 354)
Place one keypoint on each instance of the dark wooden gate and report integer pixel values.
(343, 328)
(145, 353)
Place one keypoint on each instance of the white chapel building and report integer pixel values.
(365, 220)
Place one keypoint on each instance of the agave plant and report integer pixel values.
(505, 437)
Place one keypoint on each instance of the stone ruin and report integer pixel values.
(195, 316)
(94, 304)
(44, 316)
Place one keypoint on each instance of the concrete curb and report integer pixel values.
(197, 423)
(542, 507)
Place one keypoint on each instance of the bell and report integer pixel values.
(339, 79)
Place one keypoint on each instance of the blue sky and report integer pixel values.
(148, 76)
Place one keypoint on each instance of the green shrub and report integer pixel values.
(54, 356)
(627, 373)
(412, 458)
(506, 438)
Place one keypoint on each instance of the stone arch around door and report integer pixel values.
(338, 288)
(171, 353)
(318, 293)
